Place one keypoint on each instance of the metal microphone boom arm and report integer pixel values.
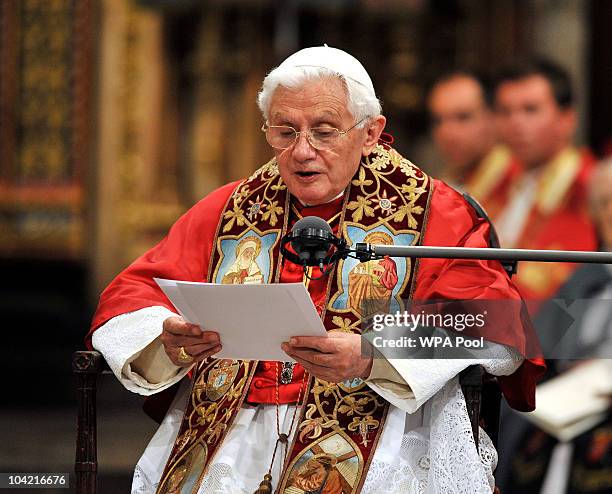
(314, 244)
(366, 252)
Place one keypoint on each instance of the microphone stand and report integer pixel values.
(315, 245)
(367, 252)
(509, 257)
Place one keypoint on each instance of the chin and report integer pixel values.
(312, 199)
(313, 195)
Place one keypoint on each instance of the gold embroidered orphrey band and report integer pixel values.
(340, 423)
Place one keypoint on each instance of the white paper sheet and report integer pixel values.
(252, 320)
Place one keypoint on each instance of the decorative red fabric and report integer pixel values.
(263, 386)
(184, 255)
(389, 278)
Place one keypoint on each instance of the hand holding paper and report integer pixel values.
(197, 344)
(336, 358)
(252, 320)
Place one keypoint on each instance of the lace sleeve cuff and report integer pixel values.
(130, 346)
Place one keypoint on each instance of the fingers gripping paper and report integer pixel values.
(252, 320)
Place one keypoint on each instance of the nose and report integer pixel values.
(445, 130)
(510, 125)
(303, 150)
(515, 120)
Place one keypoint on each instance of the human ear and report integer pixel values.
(373, 128)
(568, 123)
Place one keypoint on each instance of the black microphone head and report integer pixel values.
(312, 238)
(311, 222)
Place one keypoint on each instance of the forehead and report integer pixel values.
(318, 98)
(534, 88)
(456, 92)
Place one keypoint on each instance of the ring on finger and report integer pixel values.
(183, 356)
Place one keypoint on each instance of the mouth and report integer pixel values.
(522, 140)
(307, 176)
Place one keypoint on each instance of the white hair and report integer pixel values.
(362, 102)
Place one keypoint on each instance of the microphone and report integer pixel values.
(312, 240)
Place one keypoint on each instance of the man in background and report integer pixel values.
(463, 129)
(547, 205)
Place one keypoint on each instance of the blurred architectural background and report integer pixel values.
(117, 115)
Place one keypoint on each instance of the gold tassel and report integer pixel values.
(265, 487)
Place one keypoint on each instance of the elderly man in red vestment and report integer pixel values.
(398, 425)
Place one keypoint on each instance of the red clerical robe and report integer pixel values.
(184, 255)
(558, 219)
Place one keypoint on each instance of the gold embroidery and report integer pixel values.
(235, 215)
(386, 202)
(341, 422)
(311, 428)
(187, 470)
(344, 324)
(220, 378)
(363, 425)
(361, 206)
(263, 202)
(370, 188)
(272, 210)
(360, 403)
(216, 415)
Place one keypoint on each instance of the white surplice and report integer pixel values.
(426, 446)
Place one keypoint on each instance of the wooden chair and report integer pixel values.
(478, 386)
(86, 367)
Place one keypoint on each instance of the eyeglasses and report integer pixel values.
(320, 138)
